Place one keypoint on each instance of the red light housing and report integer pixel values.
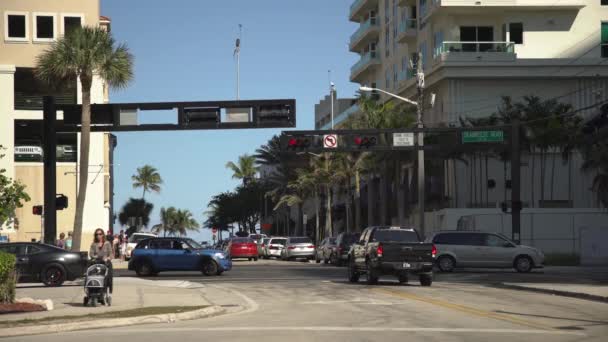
(292, 142)
(379, 251)
(434, 251)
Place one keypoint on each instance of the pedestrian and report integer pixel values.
(123, 244)
(101, 251)
(61, 241)
(116, 246)
(68, 241)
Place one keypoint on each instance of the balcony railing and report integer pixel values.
(369, 23)
(489, 47)
(366, 59)
(34, 102)
(408, 25)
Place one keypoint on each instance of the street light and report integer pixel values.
(421, 182)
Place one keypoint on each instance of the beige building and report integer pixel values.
(28, 28)
(475, 52)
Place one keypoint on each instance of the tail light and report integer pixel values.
(291, 247)
(263, 245)
(434, 251)
(272, 247)
(379, 251)
(340, 249)
(310, 246)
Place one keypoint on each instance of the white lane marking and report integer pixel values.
(252, 305)
(363, 329)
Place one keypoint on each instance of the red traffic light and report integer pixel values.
(365, 141)
(298, 142)
(37, 210)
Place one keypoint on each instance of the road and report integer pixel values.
(290, 301)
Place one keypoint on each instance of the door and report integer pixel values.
(467, 247)
(160, 254)
(498, 251)
(185, 257)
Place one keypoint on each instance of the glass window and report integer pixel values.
(45, 27)
(70, 23)
(398, 235)
(278, 241)
(394, 75)
(605, 39)
(242, 240)
(516, 33)
(604, 2)
(494, 241)
(300, 240)
(13, 249)
(16, 26)
(33, 250)
(160, 244)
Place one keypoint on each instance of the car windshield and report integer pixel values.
(278, 242)
(300, 240)
(395, 235)
(194, 244)
(135, 238)
(242, 240)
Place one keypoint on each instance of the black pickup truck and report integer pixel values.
(394, 251)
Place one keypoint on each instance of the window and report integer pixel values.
(605, 39)
(44, 27)
(13, 249)
(495, 241)
(423, 53)
(396, 235)
(437, 43)
(160, 244)
(300, 240)
(387, 40)
(70, 22)
(15, 26)
(33, 250)
(387, 76)
(462, 239)
(604, 2)
(476, 34)
(516, 33)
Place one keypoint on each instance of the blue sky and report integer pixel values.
(184, 52)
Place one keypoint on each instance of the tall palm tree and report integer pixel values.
(244, 169)
(148, 179)
(83, 53)
(167, 221)
(184, 222)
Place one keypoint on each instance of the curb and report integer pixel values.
(578, 295)
(112, 322)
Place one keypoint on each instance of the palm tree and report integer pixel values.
(167, 221)
(148, 179)
(245, 168)
(184, 222)
(83, 53)
(138, 209)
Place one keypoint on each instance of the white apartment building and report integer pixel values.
(28, 28)
(475, 52)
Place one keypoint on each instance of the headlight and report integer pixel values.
(220, 255)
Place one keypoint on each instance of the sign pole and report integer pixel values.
(515, 183)
(50, 169)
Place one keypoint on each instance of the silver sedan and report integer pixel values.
(298, 247)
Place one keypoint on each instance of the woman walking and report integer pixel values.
(101, 252)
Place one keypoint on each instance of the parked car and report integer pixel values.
(484, 250)
(275, 247)
(344, 241)
(298, 247)
(325, 250)
(395, 251)
(243, 248)
(262, 248)
(257, 238)
(48, 264)
(154, 255)
(133, 240)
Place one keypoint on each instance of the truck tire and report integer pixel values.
(353, 275)
(372, 275)
(446, 263)
(426, 280)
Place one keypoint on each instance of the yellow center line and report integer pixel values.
(465, 309)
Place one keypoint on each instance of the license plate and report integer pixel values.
(406, 265)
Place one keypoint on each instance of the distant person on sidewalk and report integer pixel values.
(101, 252)
(123, 244)
(68, 241)
(61, 241)
(116, 246)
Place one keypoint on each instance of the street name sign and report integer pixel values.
(482, 136)
(403, 139)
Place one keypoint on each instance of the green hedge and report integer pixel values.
(562, 259)
(8, 278)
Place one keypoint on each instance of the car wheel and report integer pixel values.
(144, 269)
(403, 279)
(255, 259)
(372, 275)
(446, 263)
(426, 279)
(523, 264)
(353, 275)
(210, 267)
(53, 275)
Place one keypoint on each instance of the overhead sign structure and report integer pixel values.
(403, 139)
(482, 136)
(330, 141)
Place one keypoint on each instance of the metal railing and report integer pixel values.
(366, 58)
(408, 25)
(455, 47)
(355, 6)
(34, 102)
(364, 27)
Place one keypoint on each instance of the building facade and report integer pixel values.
(475, 52)
(343, 108)
(28, 28)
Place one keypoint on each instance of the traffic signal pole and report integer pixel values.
(50, 169)
(420, 112)
(515, 182)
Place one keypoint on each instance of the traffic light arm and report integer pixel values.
(389, 94)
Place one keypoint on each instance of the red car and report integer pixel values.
(243, 248)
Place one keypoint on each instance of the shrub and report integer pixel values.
(8, 278)
(562, 259)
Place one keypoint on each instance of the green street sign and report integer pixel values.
(482, 136)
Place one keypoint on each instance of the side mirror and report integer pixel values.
(508, 245)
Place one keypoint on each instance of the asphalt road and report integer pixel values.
(289, 301)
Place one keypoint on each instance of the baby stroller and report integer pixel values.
(97, 285)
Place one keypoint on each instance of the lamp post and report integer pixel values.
(421, 187)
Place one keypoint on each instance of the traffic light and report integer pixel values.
(365, 141)
(37, 210)
(274, 113)
(61, 202)
(297, 143)
(202, 116)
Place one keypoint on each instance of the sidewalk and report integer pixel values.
(591, 292)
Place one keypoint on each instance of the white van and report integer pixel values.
(133, 240)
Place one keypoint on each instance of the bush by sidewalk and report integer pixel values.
(562, 259)
(8, 278)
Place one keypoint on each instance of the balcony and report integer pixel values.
(359, 7)
(367, 62)
(408, 30)
(404, 3)
(520, 4)
(368, 31)
(350, 111)
(478, 51)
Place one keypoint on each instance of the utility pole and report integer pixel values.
(237, 53)
(515, 182)
(331, 98)
(420, 113)
(50, 170)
